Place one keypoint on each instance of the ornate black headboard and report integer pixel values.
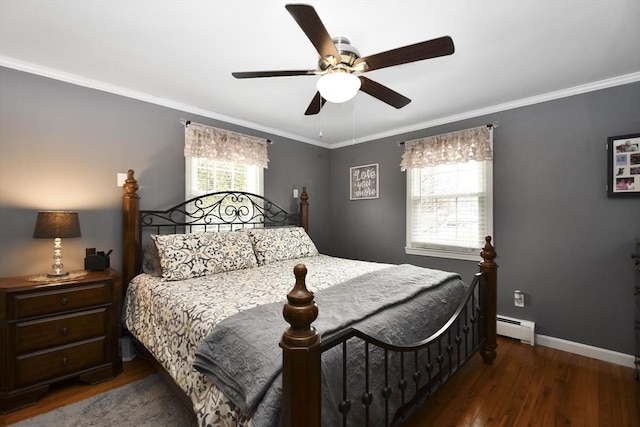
(221, 211)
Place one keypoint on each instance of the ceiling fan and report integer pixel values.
(340, 60)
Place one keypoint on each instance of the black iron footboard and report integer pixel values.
(408, 374)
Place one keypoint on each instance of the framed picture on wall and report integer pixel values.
(363, 181)
(623, 165)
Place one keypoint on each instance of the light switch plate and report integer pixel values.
(121, 179)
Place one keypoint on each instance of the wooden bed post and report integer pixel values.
(130, 230)
(304, 209)
(300, 357)
(488, 302)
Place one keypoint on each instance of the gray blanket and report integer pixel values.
(243, 359)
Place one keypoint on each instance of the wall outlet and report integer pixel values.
(518, 299)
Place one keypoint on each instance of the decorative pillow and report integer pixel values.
(151, 259)
(277, 244)
(184, 256)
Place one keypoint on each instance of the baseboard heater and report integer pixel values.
(524, 330)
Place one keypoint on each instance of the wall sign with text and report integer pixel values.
(364, 182)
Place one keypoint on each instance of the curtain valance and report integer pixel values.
(449, 148)
(220, 144)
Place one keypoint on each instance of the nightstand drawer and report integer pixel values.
(47, 302)
(55, 331)
(41, 366)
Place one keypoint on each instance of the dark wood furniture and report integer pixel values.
(51, 330)
(472, 328)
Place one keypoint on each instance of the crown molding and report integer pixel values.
(141, 96)
(576, 90)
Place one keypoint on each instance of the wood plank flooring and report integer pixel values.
(525, 386)
(71, 391)
(534, 386)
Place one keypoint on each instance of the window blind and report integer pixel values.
(449, 203)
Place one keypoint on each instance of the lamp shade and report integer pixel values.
(56, 224)
(338, 87)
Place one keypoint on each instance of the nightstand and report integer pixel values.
(52, 330)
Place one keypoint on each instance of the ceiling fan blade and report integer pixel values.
(254, 74)
(307, 18)
(383, 93)
(316, 105)
(416, 52)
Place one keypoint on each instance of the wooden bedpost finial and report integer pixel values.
(304, 209)
(300, 311)
(300, 357)
(488, 301)
(130, 186)
(488, 253)
(131, 257)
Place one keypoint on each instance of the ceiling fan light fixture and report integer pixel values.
(339, 60)
(338, 87)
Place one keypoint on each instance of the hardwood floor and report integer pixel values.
(534, 386)
(71, 391)
(525, 386)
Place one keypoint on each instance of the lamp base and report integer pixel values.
(54, 275)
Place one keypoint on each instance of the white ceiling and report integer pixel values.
(181, 54)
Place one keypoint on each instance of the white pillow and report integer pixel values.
(277, 244)
(184, 256)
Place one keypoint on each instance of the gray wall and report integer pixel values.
(62, 145)
(559, 238)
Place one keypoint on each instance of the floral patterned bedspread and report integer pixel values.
(172, 318)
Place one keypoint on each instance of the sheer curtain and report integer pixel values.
(449, 148)
(223, 145)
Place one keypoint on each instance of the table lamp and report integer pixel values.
(57, 225)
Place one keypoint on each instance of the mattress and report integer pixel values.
(172, 318)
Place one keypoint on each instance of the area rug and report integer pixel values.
(147, 402)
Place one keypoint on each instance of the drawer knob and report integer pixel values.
(64, 300)
(65, 331)
(65, 361)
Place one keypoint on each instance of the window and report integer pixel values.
(220, 160)
(450, 206)
(207, 176)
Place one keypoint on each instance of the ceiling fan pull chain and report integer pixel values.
(321, 117)
(353, 121)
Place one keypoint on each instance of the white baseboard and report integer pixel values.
(587, 350)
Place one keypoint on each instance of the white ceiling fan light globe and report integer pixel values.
(338, 87)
